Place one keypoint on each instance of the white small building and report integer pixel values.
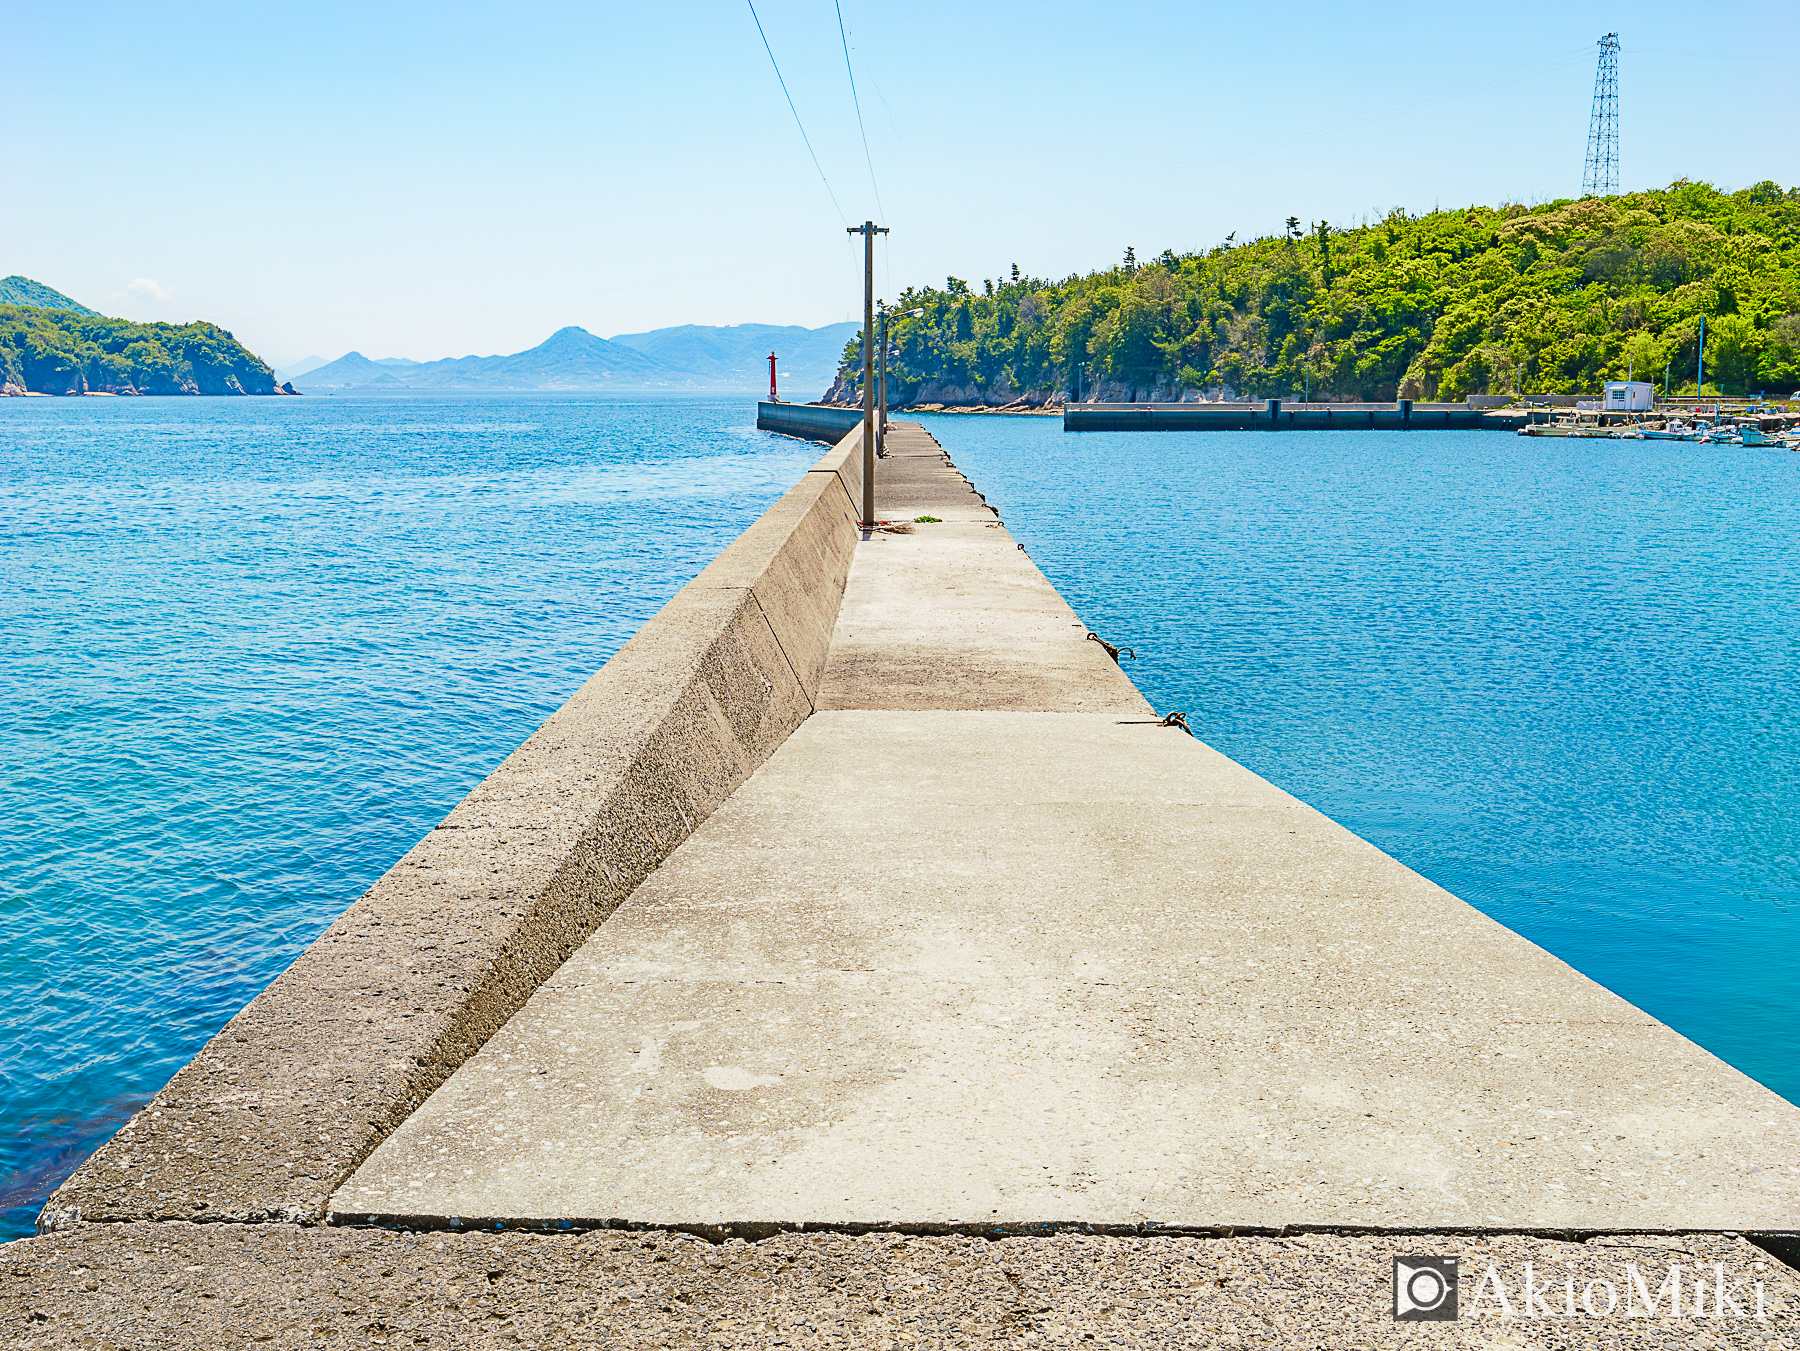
(1629, 396)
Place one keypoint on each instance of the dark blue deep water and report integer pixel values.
(1559, 678)
(254, 649)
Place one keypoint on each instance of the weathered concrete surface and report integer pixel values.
(935, 967)
(278, 1108)
(1010, 969)
(187, 1287)
(954, 615)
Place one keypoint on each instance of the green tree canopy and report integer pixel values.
(1549, 299)
(64, 352)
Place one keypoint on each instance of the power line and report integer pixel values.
(857, 103)
(796, 112)
(1245, 149)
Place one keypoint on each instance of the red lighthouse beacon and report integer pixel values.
(773, 397)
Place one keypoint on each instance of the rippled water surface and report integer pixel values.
(254, 649)
(1559, 678)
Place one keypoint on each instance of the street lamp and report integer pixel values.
(881, 427)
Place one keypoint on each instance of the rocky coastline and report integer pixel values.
(935, 397)
(61, 352)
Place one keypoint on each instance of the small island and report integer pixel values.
(49, 344)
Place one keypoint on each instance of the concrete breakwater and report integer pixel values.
(984, 945)
(808, 421)
(1275, 415)
(940, 933)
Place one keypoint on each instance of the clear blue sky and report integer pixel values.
(432, 180)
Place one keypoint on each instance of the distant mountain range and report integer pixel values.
(738, 357)
(688, 357)
(17, 290)
(691, 356)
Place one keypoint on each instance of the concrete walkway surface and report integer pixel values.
(977, 951)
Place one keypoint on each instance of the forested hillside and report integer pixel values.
(63, 352)
(17, 290)
(1546, 299)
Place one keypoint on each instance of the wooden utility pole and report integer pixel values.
(868, 230)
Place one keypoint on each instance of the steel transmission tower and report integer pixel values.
(1600, 177)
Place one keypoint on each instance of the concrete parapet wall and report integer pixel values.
(808, 421)
(284, 1103)
(1276, 415)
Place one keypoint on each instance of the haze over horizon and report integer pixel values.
(318, 359)
(433, 182)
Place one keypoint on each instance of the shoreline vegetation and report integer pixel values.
(1509, 300)
(56, 351)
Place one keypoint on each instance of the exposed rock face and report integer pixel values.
(932, 393)
(848, 390)
(1117, 391)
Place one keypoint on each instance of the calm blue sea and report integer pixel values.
(1560, 678)
(254, 649)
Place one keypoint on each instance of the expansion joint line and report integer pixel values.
(811, 707)
(849, 497)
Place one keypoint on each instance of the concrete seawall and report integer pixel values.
(985, 946)
(807, 421)
(278, 1109)
(1269, 415)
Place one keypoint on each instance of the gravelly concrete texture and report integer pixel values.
(293, 1093)
(210, 1287)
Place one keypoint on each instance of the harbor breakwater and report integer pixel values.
(1274, 415)
(808, 421)
(1268, 415)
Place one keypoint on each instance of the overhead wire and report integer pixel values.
(857, 103)
(796, 112)
(1282, 140)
